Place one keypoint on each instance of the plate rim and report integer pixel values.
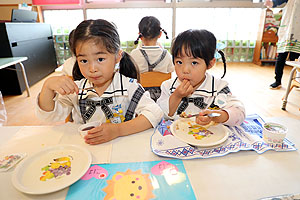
(23, 189)
(201, 145)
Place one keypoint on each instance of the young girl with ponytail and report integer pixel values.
(194, 91)
(149, 54)
(104, 89)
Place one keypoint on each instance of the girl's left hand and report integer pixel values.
(202, 119)
(103, 133)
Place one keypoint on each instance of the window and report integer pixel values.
(63, 21)
(128, 25)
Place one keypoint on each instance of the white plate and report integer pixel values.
(26, 176)
(220, 134)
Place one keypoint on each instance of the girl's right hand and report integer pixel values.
(64, 85)
(184, 89)
(269, 3)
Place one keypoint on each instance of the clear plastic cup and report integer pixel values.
(3, 114)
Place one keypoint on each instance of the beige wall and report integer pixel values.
(6, 12)
(15, 1)
(6, 7)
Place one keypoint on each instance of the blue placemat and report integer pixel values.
(139, 180)
(247, 136)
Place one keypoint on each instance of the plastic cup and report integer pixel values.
(83, 129)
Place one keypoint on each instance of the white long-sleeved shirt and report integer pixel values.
(121, 90)
(213, 91)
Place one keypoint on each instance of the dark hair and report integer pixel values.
(105, 33)
(149, 28)
(197, 43)
(71, 35)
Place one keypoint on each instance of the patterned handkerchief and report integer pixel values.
(9, 161)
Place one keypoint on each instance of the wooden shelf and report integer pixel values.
(264, 38)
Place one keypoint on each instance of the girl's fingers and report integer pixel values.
(204, 112)
(72, 85)
(61, 91)
(95, 141)
(69, 88)
(95, 130)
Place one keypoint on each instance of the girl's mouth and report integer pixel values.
(95, 78)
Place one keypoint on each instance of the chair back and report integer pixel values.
(153, 79)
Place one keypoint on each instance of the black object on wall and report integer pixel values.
(33, 40)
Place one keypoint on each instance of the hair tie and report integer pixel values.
(137, 40)
(219, 47)
(165, 32)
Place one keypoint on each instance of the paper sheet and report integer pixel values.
(30, 139)
(137, 180)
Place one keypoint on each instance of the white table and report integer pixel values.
(243, 175)
(6, 62)
(295, 65)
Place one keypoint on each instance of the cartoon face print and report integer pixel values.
(129, 185)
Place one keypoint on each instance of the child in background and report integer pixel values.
(150, 56)
(194, 91)
(100, 92)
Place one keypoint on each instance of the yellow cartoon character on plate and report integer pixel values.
(129, 185)
(56, 169)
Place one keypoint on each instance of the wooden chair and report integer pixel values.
(294, 83)
(153, 79)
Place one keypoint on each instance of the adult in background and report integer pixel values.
(288, 34)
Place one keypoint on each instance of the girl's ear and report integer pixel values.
(211, 63)
(160, 34)
(119, 56)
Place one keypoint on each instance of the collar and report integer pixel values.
(150, 47)
(207, 88)
(118, 87)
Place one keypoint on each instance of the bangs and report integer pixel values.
(188, 45)
(99, 41)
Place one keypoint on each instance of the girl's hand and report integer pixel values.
(204, 120)
(269, 3)
(103, 133)
(184, 89)
(64, 85)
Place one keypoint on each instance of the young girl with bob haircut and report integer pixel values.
(105, 87)
(194, 91)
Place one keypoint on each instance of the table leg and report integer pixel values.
(288, 89)
(25, 78)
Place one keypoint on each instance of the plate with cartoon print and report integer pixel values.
(187, 130)
(51, 169)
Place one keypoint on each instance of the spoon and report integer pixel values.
(89, 88)
(208, 115)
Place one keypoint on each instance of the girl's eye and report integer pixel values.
(83, 61)
(178, 62)
(100, 59)
(194, 63)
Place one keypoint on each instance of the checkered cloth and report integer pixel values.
(134, 102)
